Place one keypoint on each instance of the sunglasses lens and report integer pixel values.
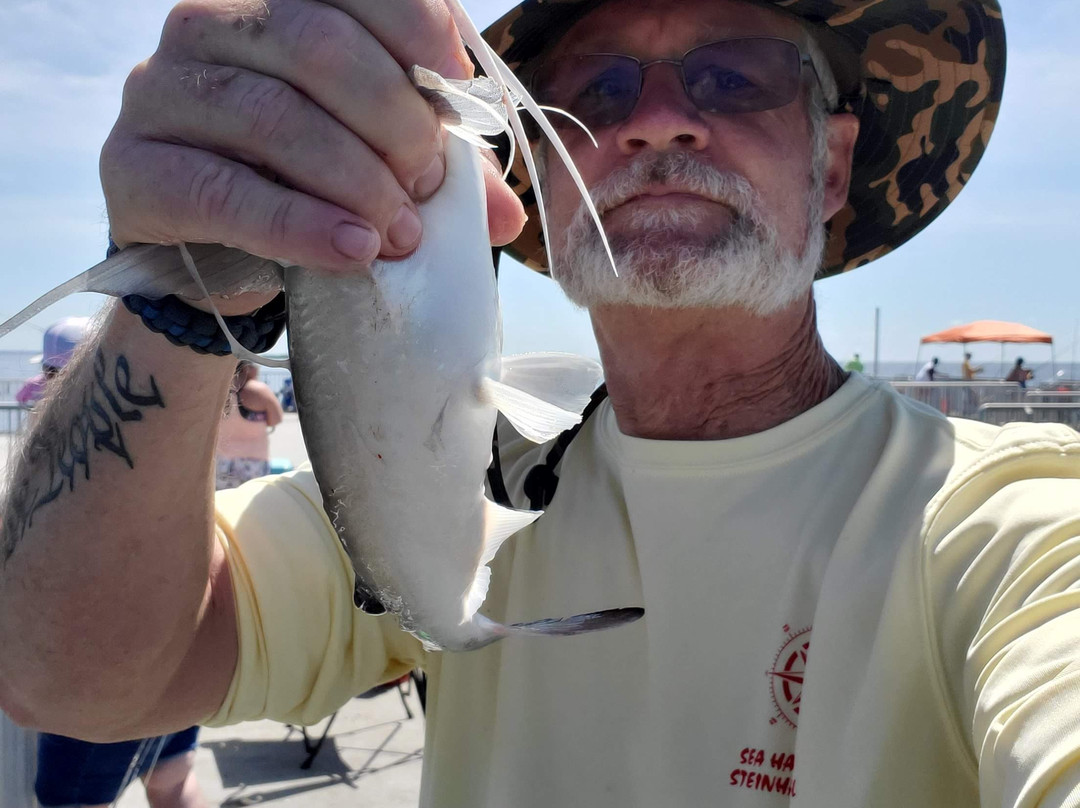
(597, 89)
(743, 75)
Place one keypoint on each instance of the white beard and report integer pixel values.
(664, 264)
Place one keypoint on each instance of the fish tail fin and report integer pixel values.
(564, 626)
(542, 394)
(499, 524)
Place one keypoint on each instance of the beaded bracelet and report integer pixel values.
(182, 324)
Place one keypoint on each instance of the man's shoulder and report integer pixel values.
(988, 441)
(989, 459)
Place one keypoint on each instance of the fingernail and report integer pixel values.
(431, 179)
(404, 230)
(355, 242)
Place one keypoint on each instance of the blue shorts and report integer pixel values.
(71, 772)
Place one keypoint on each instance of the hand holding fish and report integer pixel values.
(293, 91)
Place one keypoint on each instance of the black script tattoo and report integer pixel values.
(58, 452)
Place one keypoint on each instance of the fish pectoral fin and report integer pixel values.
(565, 380)
(542, 394)
(534, 418)
(499, 524)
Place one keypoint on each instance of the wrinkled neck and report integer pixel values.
(711, 374)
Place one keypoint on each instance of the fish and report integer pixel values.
(403, 483)
(399, 379)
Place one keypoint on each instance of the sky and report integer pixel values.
(1005, 249)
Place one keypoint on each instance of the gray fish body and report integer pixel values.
(387, 368)
(398, 379)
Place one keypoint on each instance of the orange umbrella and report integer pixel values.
(990, 331)
(993, 331)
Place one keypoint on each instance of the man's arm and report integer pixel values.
(115, 610)
(286, 129)
(1002, 568)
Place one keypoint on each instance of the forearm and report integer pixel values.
(108, 529)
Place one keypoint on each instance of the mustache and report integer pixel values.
(676, 172)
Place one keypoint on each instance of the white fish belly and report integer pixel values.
(386, 368)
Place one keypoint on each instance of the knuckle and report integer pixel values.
(184, 20)
(280, 219)
(320, 37)
(138, 80)
(114, 154)
(265, 106)
(214, 193)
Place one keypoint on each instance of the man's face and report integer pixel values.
(688, 198)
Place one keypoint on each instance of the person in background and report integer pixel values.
(243, 444)
(93, 775)
(928, 371)
(287, 395)
(969, 370)
(58, 344)
(1020, 374)
(854, 364)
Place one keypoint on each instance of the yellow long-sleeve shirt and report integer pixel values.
(869, 605)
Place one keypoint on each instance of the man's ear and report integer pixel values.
(843, 129)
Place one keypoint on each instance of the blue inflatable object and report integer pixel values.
(279, 465)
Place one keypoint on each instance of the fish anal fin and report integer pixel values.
(499, 524)
(579, 623)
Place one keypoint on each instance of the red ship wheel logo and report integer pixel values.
(786, 676)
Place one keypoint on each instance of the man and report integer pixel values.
(847, 597)
(969, 370)
(854, 364)
(928, 371)
(1019, 374)
(58, 344)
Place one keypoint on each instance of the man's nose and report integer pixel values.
(664, 119)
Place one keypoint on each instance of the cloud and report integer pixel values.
(50, 111)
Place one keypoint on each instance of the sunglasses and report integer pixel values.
(747, 74)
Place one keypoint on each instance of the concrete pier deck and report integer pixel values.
(371, 759)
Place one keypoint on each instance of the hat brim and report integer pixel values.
(929, 79)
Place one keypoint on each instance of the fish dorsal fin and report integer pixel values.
(499, 524)
(565, 380)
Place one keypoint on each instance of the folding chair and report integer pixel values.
(404, 685)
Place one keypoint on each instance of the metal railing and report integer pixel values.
(274, 378)
(13, 420)
(1053, 396)
(1041, 411)
(9, 387)
(962, 399)
(12, 417)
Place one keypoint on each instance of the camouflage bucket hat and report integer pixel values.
(924, 77)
